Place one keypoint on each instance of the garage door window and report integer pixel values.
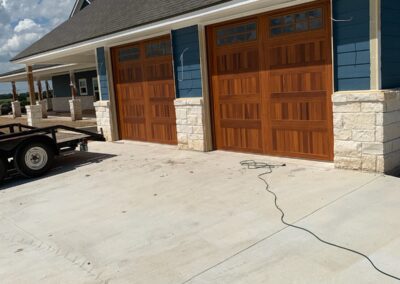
(129, 54)
(237, 34)
(157, 49)
(298, 22)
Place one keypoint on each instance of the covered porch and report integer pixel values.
(54, 89)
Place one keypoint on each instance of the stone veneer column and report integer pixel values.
(367, 130)
(34, 114)
(43, 104)
(190, 123)
(75, 106)
(103, 117)
(16, 109)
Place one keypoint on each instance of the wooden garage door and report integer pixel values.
(145, 91)
(271, 83)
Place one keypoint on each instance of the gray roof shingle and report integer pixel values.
(106, 17)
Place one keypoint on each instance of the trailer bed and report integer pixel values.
(23, 146)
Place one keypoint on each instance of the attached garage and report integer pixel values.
(145, 91)
(271, 83)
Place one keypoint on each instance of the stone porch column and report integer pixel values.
(367, 130)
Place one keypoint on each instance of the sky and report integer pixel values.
(23, 22)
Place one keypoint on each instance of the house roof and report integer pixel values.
(105, 17)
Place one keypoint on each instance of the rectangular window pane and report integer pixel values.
(129, 54)
(237, 34)
(160, 48)
(297, 22)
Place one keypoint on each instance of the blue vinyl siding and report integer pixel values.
(61, 86)
(390, 10)
(101, 67)
(61, 83)
(351, 45)
(188, 72)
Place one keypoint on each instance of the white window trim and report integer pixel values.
(95, 82)
(84, 85)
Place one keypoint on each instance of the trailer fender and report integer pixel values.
(42, 139)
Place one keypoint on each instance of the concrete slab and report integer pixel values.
(147, 213)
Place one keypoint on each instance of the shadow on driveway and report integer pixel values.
(61, 165)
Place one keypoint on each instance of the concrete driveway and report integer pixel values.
(141, 213)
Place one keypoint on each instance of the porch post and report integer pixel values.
(47, 90)
(33, 111)
(29, 74)
(48, 97)
(75, 104)
(41, 101)
(15, 104)
(40, 90)
(14, 91)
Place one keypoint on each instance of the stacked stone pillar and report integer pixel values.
(367, 130)
(34, 115)
(103, 117)
(75, 105)
(190, 123)
(16, 109)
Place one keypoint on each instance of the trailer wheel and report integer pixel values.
(3, 170)
(34, 159)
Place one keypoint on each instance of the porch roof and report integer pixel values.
(106, 17)
(44, 72)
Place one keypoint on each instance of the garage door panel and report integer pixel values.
(242, 139)
(299, 80)
(299, 106)
(238, 61)
(303, 143)
(164, 132)
(298, 54)
(161, 89)
(232, 85)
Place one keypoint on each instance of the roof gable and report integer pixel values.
(80, 5)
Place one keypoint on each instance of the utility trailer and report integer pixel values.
(31, 150)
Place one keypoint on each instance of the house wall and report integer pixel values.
(189, 105)
(351, 35)
(102, 71)
(390, 34)
(88, 75)
(186, 53)
(62, 91)
(61, 86)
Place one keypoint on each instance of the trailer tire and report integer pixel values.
(34, 159)
(3, 170)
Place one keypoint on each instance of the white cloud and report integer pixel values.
(23, 22)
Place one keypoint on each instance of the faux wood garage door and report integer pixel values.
(271, 83)
(145, 91)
